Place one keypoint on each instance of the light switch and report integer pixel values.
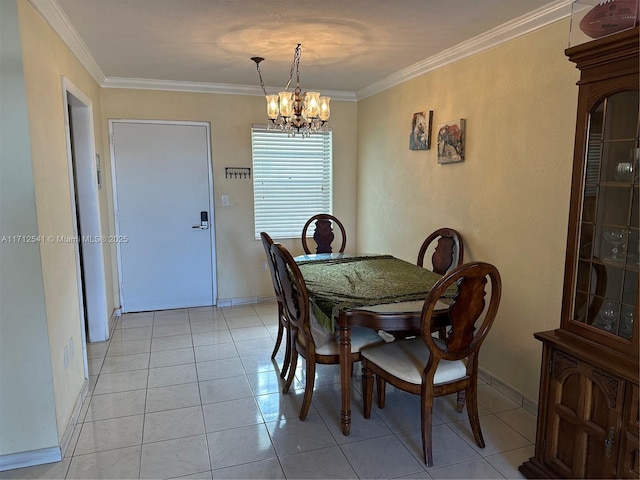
(225, 200)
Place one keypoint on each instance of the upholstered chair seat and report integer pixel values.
(406, 359)
(361, 337)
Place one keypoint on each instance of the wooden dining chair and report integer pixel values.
(448, 253)
(283, 324)
(308, 338)
(430, 367)
(323, 235)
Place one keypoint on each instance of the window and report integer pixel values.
(291, 180)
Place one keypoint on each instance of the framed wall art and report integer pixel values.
(420, 137)
(451, 143)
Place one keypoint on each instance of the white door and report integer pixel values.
(164, 214)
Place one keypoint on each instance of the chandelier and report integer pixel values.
(295, 112)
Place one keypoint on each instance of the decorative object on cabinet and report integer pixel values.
(451, 141)
(420, 138)
(598, 18)
(588, 409)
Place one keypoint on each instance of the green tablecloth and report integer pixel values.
(356, 282)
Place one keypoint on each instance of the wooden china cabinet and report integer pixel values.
(588, 411)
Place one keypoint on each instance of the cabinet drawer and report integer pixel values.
(630, 454)
(631, 458)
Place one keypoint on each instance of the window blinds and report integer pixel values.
(292, 180)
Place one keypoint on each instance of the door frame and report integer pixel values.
(88, 208)
(212, 235)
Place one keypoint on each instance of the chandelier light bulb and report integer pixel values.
(286, 103)
(272, 106)
(325, 111)
(312, 104)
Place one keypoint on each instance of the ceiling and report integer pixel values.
(349, 47)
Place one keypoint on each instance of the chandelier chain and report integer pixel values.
(295, 67)
(264, 90)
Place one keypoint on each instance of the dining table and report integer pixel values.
(381, 292)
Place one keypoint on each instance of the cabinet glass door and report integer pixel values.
(609, 249)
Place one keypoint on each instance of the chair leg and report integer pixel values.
(472, 411)
(426, 413)
(292, 369)
(462, 396)
(308, 388)
(442, 333)
(381, 390)
(287, 351)
(278, 340)
(367, 390)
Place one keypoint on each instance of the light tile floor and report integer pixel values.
(193, 393)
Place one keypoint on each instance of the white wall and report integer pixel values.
(27, 408)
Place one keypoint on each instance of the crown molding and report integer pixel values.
(550, 13)
(202, 87)
(543, 16)
(58, 20)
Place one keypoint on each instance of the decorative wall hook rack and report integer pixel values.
(237, 172)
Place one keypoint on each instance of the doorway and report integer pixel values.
(163, 197)
(86, 212)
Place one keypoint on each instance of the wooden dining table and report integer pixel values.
(375, 291)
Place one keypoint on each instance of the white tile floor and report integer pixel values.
(193, 393)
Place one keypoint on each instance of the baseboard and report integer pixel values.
(508, 391)
(51, 454)
(30, 458)
(117, 312)
(270, 299)
(73, 421)
(235, 302)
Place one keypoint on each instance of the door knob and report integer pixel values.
(204, 221)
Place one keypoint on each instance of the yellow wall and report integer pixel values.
(46, 61)
(509, 198)
(239, 255)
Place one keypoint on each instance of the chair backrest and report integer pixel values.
(266, 243)
(323, 235)
(472, 280)
(295, 296)
(449, 251)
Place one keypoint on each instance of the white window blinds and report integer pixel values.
(291, 180)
